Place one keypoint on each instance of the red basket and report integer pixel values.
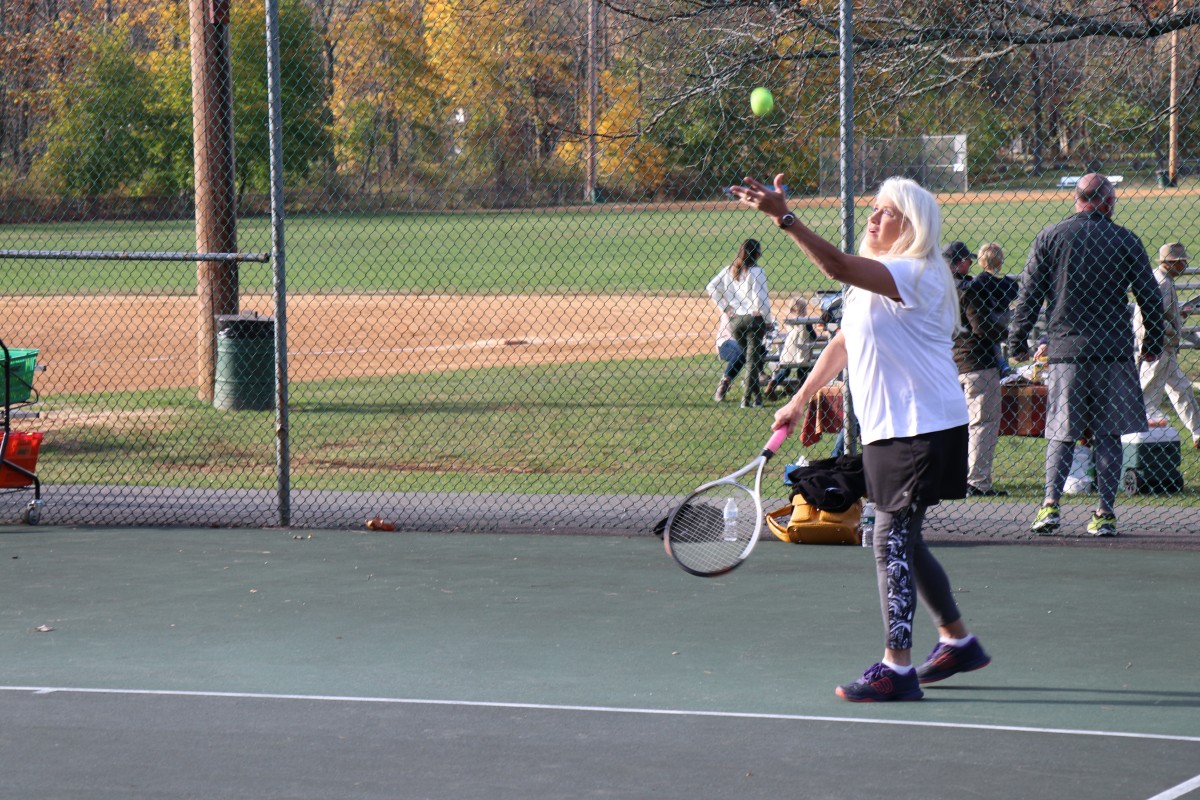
(20, 449)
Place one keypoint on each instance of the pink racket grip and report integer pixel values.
(777, 439)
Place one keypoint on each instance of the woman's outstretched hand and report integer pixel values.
(768, 199)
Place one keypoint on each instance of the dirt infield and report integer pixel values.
(128, 342)
(135, 342)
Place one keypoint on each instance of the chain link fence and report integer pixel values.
(499, 218)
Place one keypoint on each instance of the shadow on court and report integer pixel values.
(268, 664)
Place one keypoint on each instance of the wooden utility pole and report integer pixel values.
(593, 89)
(1173, 135)
(216, 194)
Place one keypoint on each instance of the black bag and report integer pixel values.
(830, 484)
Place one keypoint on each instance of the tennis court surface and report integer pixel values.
(176, 663)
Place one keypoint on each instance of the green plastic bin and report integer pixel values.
(245, 370)
(20, 364)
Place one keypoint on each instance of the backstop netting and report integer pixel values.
(487, 308)
(939, 163)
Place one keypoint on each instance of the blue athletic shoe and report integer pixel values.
(880, 684)
(947, 660)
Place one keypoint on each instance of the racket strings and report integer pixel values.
(711, 531)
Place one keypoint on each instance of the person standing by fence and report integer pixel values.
(1000, 290)
(1165, 374)
(975, 356)
(1083, 269)
(740, 290)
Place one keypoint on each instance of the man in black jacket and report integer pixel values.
(1083, 268)
(978, 372)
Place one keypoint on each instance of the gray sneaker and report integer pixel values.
(1047, 520)
(1102, 525)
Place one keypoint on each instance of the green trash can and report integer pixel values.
(245, 368)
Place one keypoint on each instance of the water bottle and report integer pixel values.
(868, 524)
(731, 514)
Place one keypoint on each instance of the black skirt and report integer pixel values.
(923, 469)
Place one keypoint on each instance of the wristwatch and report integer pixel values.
(787, 220)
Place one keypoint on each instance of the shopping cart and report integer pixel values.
(19, 449)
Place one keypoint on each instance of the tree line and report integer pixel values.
(439, 103)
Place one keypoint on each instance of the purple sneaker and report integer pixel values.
(880, 684)
(947, 660)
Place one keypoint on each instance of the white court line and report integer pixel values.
(669, 712)
(1178, 791)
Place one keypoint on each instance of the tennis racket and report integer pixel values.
(713, 531)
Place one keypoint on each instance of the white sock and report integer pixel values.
(956, 642)
(896, 668)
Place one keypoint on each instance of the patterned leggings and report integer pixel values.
(906, 570)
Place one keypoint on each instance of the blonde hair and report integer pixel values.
(991, 257)
(921, 227)
(920, 235)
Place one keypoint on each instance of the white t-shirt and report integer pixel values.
(747, 296)
(902, 374)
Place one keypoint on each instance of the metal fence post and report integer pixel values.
(282, 452)
(846, 171)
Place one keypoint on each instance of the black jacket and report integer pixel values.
(998, 290)
(830, 484)
(1083, 269)
(983, 322)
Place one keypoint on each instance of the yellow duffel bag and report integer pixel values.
(805, 524)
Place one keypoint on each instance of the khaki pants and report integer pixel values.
(982, 390)
(1165, 375)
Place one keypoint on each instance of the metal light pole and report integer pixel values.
(846, 179)
(846, 120)
(283, 457)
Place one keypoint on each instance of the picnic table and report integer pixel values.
(1022, 411)
(774, 343)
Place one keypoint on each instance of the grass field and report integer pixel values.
(623, 427)
(602, 250)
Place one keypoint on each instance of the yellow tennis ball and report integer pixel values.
(761, 101)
